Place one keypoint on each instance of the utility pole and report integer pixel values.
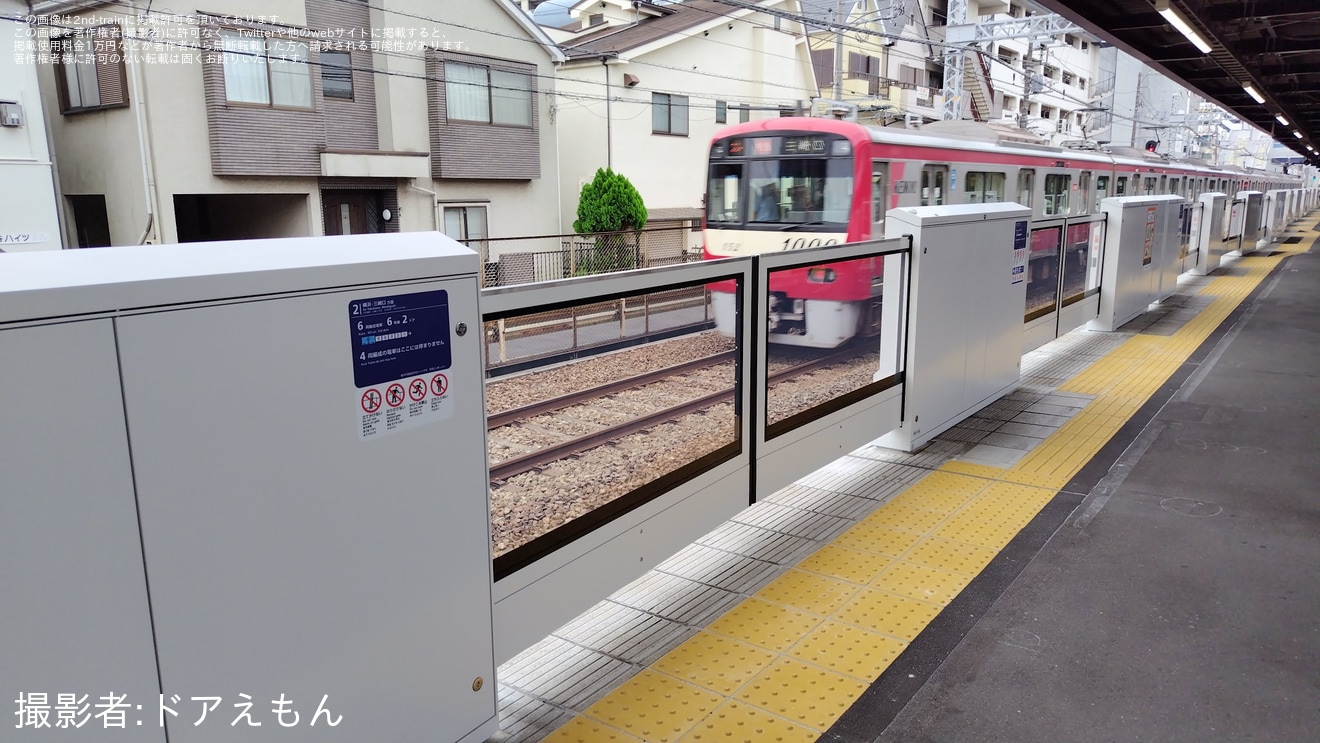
(839, 21)
(1136, 108)
(1028, 69)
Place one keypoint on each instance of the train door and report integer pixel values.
(934, 180)
(879, 184)
(1120, 186)
(1026, 187)
(1083, 203)
(1101, 191)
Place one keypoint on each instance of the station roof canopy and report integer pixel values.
(1273, 46)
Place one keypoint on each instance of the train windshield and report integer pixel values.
(773, 193)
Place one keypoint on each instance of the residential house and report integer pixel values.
(29, 215)
(645, 87)
(266, 118)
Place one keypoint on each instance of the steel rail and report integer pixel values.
(577, 398)
(532, 460)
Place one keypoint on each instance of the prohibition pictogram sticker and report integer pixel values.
(371, 400)
(394, 395)
(439, 385)
(417, 390)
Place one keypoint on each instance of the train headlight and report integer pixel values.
(820, 275)
(841, 147)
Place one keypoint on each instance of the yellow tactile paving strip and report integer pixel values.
(788, 661)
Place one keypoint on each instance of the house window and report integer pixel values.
(336, 75)
(467, 224)
(745, 114)
(487, 95)
(669, 114)
(268, 71)
(721, 112)
(89, 72)
(1056, 194)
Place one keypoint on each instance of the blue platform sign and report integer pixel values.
(400, 336)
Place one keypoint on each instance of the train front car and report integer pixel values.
(786, 184)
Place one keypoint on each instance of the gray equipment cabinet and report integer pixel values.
(247, 472)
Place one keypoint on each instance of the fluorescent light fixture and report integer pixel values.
(1281, 119)
(1252, 92)
(1175, 20)
(1297, 134)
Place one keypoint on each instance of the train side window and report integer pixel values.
(1056, 193)
(1026, 186)
(1101, 190)
(1149, 186)
(878, 193)
(1083, 204)
(1120, 186)
(985, 188)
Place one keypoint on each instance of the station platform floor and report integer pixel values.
(1127, 548)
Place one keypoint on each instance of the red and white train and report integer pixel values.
(789, 183)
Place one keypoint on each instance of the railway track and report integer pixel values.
(555, 452)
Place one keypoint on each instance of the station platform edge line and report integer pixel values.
(790, 660)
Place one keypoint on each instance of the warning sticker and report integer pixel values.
(399, 343)
(1019, 252)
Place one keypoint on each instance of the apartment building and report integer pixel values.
(29, 215)
(301, 117)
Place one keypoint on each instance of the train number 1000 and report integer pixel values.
(802, 242)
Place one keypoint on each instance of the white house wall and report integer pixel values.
(29, 219)
(100, 151)
(669, 170)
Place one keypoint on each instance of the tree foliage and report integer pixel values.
(609, 203)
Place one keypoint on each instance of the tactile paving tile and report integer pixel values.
(896, 616)
(877, 538)
(921, 582)
(850, 650)
(955, 557)
(802, 693)
(810, 592)
(655, 707)
(845, 563)
(720, 569)
(764, 624)
(735, 721)
(720, 664)
(583, 730)
(622, 632)
(906, 518)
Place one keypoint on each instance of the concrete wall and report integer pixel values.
(29, 217)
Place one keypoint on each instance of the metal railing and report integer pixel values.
(510, 261)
